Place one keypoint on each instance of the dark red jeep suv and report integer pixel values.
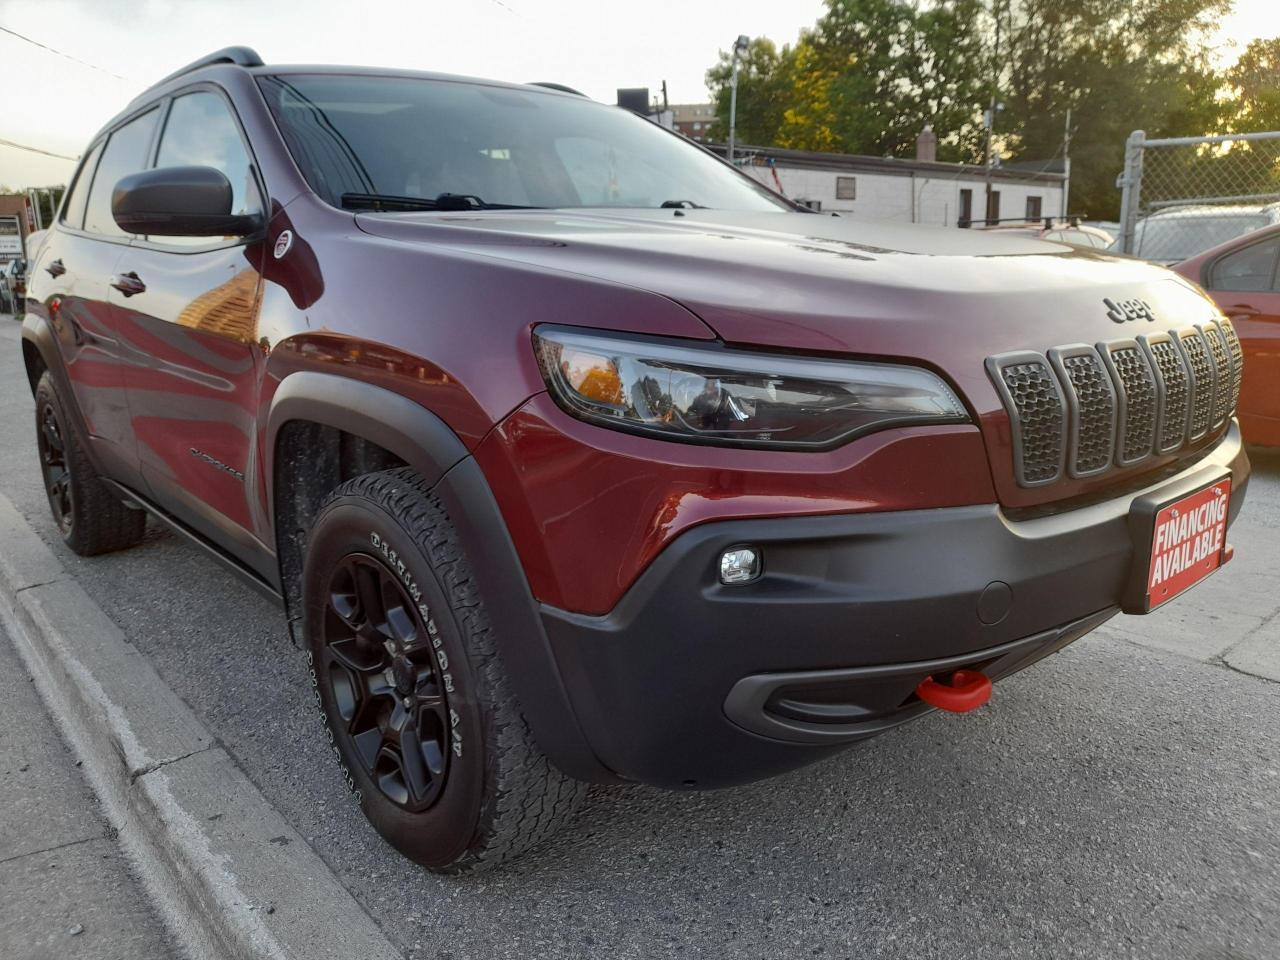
(574, 455)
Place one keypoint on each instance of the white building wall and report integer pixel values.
(907, 199)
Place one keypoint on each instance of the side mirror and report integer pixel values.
(179, 202)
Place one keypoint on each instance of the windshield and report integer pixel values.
(453, 144)
(1174, 238)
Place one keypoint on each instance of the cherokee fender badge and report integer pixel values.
(283, 242)
(1126, 310)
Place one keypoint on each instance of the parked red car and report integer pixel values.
(573, 454)
(1242, 276)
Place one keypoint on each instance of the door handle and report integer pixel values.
(129, 284)
(56, 269)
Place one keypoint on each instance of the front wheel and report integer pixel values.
(414, 697)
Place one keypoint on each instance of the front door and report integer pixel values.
(188, 310)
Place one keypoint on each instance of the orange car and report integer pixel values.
(1242, 275)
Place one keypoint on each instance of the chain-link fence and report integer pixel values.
(1183, 195)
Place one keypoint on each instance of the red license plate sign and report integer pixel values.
(1188, 542)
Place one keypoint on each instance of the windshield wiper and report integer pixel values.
(445, 201)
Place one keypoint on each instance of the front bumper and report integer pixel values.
(687, 682)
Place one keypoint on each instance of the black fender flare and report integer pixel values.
(426, 443)
(38, 333)
(395, 423)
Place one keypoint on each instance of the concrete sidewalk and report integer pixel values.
(67, 889)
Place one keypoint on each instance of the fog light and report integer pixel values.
(739, 565)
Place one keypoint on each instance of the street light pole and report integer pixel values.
(990, 116)
(739, 47)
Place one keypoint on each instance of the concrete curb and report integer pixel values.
(230, 876)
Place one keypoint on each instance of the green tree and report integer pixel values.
(1118, 66)
(866, 79)
(765, 78)
(895, 66)
(1256, 81)
(872, 73)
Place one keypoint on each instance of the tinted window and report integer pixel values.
(1175, 238)
(73, 209)
(1250, 269)
(403, 136)
(202, 132)
(125, 153)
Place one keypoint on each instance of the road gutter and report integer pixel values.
(230, 877)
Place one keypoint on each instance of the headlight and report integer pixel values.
(711, 394)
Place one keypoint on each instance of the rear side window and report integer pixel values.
(1173, 238)
(1252, 269)
(78, 197)
(201, 131)
(125, 153)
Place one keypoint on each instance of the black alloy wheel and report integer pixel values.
(385, 683)
(413, 695)
(55, 468)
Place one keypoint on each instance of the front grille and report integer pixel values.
(1174, 387)
(1091, 403)
(1088, 409)
(1222, 372)
(1197, 356)
(1136, 400)
(1237, 359)
(1032, 394)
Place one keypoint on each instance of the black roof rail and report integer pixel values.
(557, 86)
(240, 56)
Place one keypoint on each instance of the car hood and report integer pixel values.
(814, 282)
(940, 297)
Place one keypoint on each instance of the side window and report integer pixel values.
(125, 153)
(201, 132)
(1252, 269)
(78, 197)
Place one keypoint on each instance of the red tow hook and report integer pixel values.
(961, 692)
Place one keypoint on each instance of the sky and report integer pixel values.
(596, 46)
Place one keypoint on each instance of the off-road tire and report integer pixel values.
(91, 518)
(501, 796)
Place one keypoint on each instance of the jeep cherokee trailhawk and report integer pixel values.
(573, 455)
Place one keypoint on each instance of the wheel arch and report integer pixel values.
(38, 349)
(310, 407)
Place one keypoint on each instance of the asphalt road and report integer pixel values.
(1120, 799)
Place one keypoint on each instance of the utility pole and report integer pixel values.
(1066, 165)
(739, 47)
(990, 117)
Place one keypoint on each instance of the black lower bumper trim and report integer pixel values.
(869, 596)
(843, 706)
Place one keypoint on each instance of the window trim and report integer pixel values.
(1206, 274)
(163, 104)
(254, 166)
(81, 170)
(104, 138)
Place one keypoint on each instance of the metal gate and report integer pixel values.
(1183, 195)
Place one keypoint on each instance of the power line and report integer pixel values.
(83, 63)
(47, 153)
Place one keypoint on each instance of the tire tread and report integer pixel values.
(530, 798)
